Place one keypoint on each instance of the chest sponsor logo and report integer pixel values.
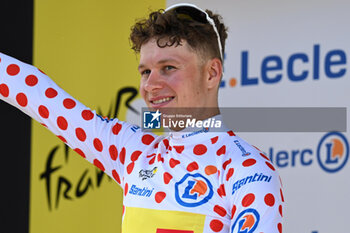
(138, 191)
(146, 174)
(246, 222)
(193, 190)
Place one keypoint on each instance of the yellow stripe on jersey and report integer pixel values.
(161, 221)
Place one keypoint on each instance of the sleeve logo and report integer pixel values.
(246, 222)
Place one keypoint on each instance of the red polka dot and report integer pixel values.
(227, 162)
(98, 144)
(80, 152)
(280, 210)
(264, 156)
(50, 93)
(69, 103)
(221, 151)
(62, 139)
(43, 111)
(22, 99)
(248, 200)
(116, 129)
(135, 155)
(220, 210)
(98, 164)
(62, 123)
(81, 135)
(159, 197)
(192, 166)
(87, 115)
(4, 90)
(116, 176)
(282, 197)
(166, 143)
(210, 169)
(179, 149)
(249, 162)
(199, 149)
(229, 173)
(147, 139)
(41, 71)
(13, 69)
(214, 139)
(167, 177)
(130, 167)
(122, 156)
(233, 211)
(160, 158)
(231, 133)
(126, 187)
(269, 199)
(31, 80)
(221, 190)
(216, 225)
(270, 166)
(153, 159)
(113, 152)
(279, 227)
(173, 162)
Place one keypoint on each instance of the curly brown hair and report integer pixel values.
(168, 29)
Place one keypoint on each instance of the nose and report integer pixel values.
(153, 81)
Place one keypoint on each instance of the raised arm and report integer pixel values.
(98, 140)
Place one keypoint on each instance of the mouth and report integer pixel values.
(160, 101)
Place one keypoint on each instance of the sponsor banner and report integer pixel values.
(84, 47)
(293, 54)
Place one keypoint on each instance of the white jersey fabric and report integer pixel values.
(178, 183)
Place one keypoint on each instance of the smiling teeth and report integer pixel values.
(162, 100)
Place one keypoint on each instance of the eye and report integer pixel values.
(145, 72)
(169, 67)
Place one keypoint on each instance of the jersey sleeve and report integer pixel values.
(98, 140)
(254, 192)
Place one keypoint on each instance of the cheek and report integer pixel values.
(142, 90)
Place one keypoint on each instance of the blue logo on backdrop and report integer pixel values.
(246, 222)
(151, 120)
(193, 190)
(332, 153)
(273, 68)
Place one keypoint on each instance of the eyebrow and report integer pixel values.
(166, 60)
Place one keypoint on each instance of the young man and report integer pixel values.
(202, 181)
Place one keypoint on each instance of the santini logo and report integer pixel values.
(143, 192)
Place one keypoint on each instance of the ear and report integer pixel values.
(214, 69)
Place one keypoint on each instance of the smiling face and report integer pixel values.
(176, 77)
